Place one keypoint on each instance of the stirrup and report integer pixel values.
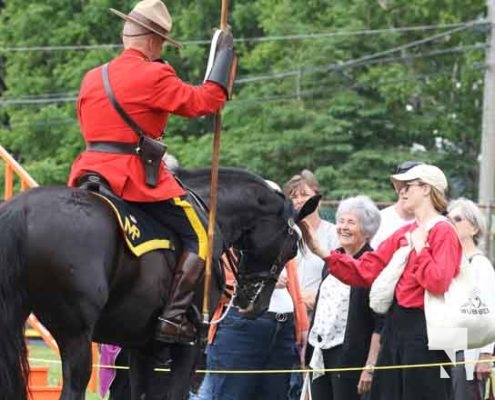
(175, 337)
(167, 321)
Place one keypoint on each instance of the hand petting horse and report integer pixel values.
(63, 257)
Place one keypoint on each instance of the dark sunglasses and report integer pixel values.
(406, 166)
(406, 186)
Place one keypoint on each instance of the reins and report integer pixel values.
(229, 260)
(272, 273)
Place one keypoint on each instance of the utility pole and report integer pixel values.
(487, 161)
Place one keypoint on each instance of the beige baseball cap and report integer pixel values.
(426, 173)
(152, 15)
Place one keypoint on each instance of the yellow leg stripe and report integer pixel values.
(198, 227)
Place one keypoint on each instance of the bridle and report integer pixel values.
(272, 273)
(254, 282)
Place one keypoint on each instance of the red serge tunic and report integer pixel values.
(148, 92)
(432, 269)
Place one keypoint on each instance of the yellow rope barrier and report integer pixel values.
(287, 371)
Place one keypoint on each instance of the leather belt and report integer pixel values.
(113, 147)
(275, 316)
(279, 317)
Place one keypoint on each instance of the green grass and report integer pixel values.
(39, 351)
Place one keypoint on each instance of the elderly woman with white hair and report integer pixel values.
(471, 228)
(433, 262)
(345, 332)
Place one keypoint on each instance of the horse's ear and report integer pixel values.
(308, 207)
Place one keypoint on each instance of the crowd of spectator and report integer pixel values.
(346, 339)
(319, 318)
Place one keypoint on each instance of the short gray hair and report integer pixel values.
(366, 211)
(470, 210)
(171, 162)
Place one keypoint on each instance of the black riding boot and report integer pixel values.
(173, 325)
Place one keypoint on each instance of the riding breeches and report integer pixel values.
(179, 215)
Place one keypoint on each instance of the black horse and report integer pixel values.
(62, 257)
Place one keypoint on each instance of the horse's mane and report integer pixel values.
(226, 173)
(244, 189)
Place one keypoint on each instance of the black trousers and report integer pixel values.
(179, 215)
(405, 342)
(335, 385)
(464, 389)
(120, 389)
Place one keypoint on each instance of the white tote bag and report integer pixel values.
(383, 287)
(464, 316)
(306, 388)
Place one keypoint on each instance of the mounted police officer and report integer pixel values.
(123, 108)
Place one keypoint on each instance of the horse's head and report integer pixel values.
(260, 223)
(266, 245)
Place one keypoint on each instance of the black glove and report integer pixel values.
(220, 60)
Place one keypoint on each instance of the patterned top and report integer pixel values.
(343, 317)
(331, 314)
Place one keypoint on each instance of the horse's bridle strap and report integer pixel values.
(113, 147)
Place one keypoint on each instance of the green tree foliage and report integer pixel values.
(348, 106)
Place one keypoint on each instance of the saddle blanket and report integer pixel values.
(141, 232)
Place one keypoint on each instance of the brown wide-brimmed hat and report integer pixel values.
(152, 15)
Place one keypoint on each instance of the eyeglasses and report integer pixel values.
(456, 218)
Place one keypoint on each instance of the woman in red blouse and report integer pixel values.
(434, 261)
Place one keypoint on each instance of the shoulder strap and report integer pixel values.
(474, 255)
(108, 89)
(429, 226)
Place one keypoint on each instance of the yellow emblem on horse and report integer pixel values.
(131, 229)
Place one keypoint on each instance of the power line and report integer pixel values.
(446, 51)
(353, 63)
(356, 63)
(38, 124)
(266, 99)
(349, 63)
(305, 36)
(34, 101)
(423, 77)
(310, 93)
(283, 97)
(61, 48)
(72, 96)
(48, 95)
(365, 32)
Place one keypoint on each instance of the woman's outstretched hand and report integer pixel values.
(311, 240)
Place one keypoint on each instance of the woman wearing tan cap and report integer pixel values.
(149, 90)
(433, 262)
